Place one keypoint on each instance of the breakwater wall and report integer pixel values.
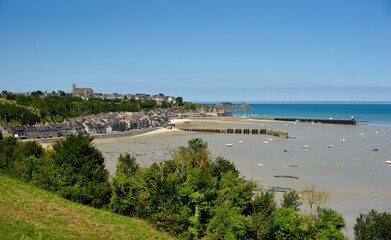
(268, 131)
(329, 121)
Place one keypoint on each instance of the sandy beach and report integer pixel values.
(346, 161)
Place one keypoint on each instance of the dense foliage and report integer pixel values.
(74, 168)
(373, 226)
(10, 113)
(193, 196)
(56, 108)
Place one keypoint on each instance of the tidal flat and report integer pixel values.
(346, 161)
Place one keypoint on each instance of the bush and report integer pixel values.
(80, 171)
(373, 225)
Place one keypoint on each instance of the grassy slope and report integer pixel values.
(3, 100)
(25, 209)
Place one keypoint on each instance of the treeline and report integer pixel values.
(55, 108)
(59, 108)
(191, 196)
(195, 197)
(74, 169)
(10, 113)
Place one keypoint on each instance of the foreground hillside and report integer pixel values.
(30, 211)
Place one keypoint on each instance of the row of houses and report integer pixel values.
(41, 131)
(87, 93)
(96, 124)
(138, 96)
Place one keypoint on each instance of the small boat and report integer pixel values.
(387, 162)
(306, 147)
(265, 142)
(228, 145)
(240, 141)
(260, 164)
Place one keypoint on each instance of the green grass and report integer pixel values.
(3, 100)
(29, 211)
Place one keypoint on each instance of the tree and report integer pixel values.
(37, 93)
(264, 203)
(26, 159)
(285, 224)
(263, 208)
(127, 165)
(10, 96)
(221, 166)
(373, 226)
(196, 154)
(314, 198)
(328, 224)
(291, 199)
(81, 172)
(227, 223)
(179, 101)
(7, 147)
(125, 187)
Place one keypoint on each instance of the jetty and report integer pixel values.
(268, 131)
(314, 120)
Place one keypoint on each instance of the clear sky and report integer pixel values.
(261, 50)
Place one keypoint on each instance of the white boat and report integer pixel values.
(228, 145)
(387, 162)
(240, 141)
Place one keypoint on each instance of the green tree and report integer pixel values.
(7, 147)
(286, 223)
(37, 93)
(264, 203)
(179, 101)
(126, 187)
(328, 224)
(373, 226)
(263, 208)
(227, 224)
(221, 166)
(27, 159)
(127, 165)
(291, 199)
(81, 171)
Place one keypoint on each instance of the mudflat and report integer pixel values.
(348, 161)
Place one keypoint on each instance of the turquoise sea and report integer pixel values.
(372, 113)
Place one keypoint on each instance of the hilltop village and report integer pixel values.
(122, 122)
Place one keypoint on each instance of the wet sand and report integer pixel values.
(352, 171)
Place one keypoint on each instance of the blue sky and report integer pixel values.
(259, 50)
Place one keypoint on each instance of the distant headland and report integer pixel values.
(232, 106)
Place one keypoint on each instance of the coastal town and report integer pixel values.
(114, 122)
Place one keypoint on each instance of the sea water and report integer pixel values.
(378, 113)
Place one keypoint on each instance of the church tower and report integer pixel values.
(73, 88)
